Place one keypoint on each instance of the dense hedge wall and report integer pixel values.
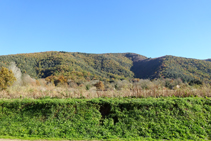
(160, 118)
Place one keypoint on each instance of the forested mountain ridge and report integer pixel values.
(108, 66)
(44, 64)
(208, 60)
(186, 68)
(173, 67)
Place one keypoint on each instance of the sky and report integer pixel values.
(152, 28)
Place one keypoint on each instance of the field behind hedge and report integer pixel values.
(107, 118)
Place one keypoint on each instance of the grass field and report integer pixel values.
(31, 91)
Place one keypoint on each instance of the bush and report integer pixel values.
(99, 85)
(195, 82)
(168, 83)
(144, 84)
(88, 87)
(124, 84)
(7, 78)
(110, 119)
(61, 80)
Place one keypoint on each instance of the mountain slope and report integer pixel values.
(208, 60)
(173, 67)
(185, 68)
(109, 66)
(44, 64)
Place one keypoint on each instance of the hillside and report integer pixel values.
(173, 67)
(208, 60)
(109, 66)
(78, 65)
(186, 69)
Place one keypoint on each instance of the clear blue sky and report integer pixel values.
(152, 28)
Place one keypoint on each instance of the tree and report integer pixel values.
(7, 78)
(195, 82)
(99, 85)
(61, 80)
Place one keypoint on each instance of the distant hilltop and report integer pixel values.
(109, 66)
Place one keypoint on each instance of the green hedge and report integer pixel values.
(158, 118)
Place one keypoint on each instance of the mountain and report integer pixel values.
(44, 64)
(173, 67)
(109, 66)
(208, 60)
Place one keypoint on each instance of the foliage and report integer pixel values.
(144, 84)
(173, 67)
(156, 118)
(50, 79)
(99, 85)
(80, 67)
(88, 87)
(124, 84)
(61, 80)
(7, 78)
(186, 69)
(147, 69)
(195, 82)
(76, 66)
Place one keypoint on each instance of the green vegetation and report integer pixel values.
(173, 67)
(138, 97)
(157, 118)
(76, 66)
(99, 85)
(208, 60)
(81, 67)
(186, 69)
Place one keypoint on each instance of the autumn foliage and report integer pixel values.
(7, 78)
(99, 85)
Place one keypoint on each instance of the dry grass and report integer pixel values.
(32, 91)
(27, 87)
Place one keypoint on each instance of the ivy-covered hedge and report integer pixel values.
(158, 118)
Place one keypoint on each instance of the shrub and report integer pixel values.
(159, 83)
(61, 81)
(7, 78)
(124, 84)
(195, 82)
(72, 84)
(169, 83)
(50, 79)
(88, 87)
(144, 84)
(99, 85)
